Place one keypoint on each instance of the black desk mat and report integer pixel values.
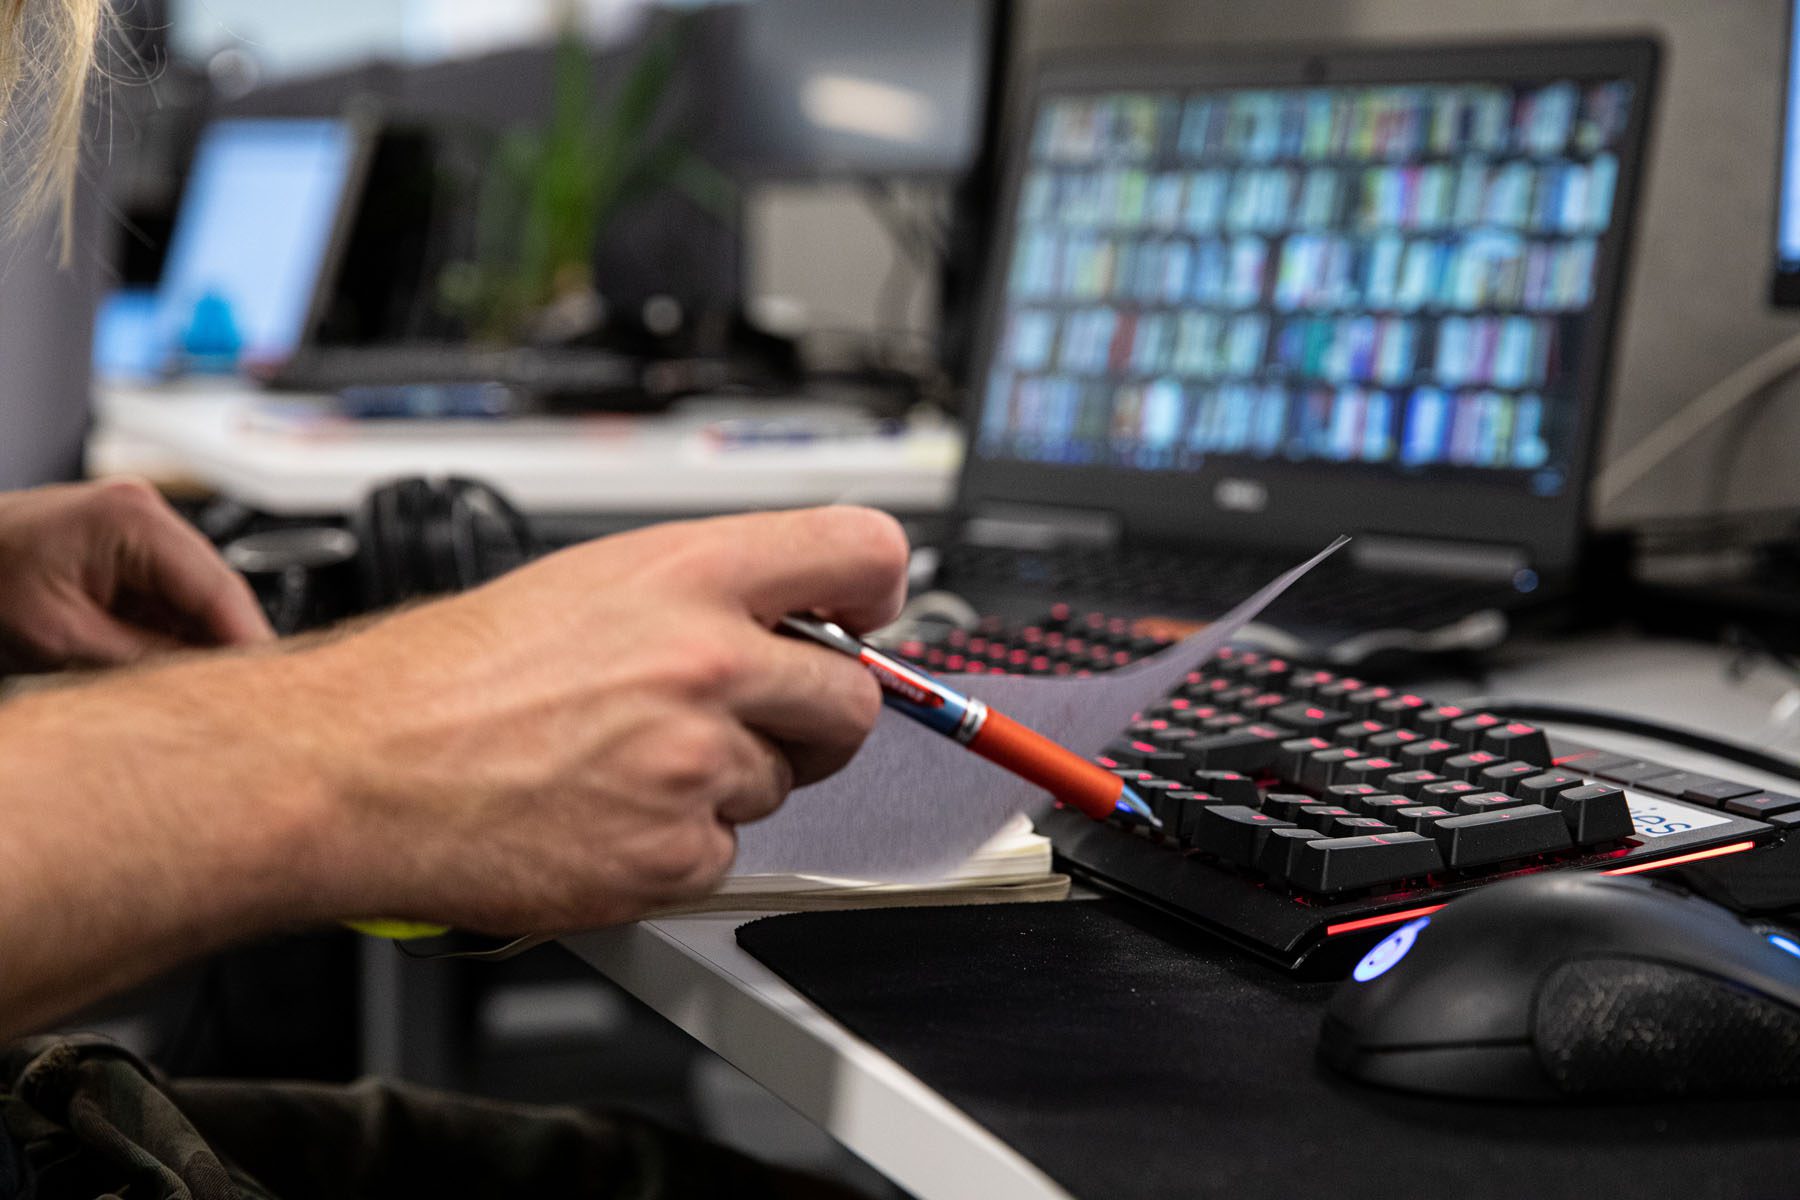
(1132, 1059)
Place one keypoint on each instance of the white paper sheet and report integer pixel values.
(913, 803)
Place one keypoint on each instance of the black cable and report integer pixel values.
(1618, 722)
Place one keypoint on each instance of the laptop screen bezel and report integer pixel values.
(1304, 505)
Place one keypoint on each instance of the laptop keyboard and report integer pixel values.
(1304, 811)
(1335, 594)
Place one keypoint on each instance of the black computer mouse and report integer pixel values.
(1574, 985)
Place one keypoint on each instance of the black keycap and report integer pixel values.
(1698, 789)
(1304, 717)
(1372, 770)
(1391, 742)
(1247, 748)
(1271, 673)
(1237, 697)
(1147, 756)
(1633, 773)
(1233, 786)
(1233, 832)
(1467, 731)
(1357, 732)
(1344, 864)
(1350, 795)
(1596, 813)
(1478, 839)
(1320, 816)
(1420, 819)
(1154, 794)
(1411, 783)
(1426, 754)
(1186, 711)
(1384, 806)
(1432, 722)
(1224, 721)
(1357, 826)
(1359, 703)
(1177, 810)
(1320, 768)
(1446, 793)
(1763, 804)
(1469, 766)
(1170, 737)
(1543, 787)
(1294, 752)
(1277, 851)
(1474, 802)
(1287, 806)
(1592, 762)
(1303, 684)
(1505, 777)
(1517, 740)
(1400, 710)
(1204, 690)
(1259, 704)
(1337, 693)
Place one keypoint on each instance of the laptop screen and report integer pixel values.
(1371, 284)
(253, 238)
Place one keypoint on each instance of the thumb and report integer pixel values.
(95, 637)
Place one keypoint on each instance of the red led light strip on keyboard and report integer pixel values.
(1696, 856)
(1634, 869)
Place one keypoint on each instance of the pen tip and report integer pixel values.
(1131, 802)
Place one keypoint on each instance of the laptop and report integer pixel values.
(261, 229)
(1242, 302)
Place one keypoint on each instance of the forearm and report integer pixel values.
(152, 816)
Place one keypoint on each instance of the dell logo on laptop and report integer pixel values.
(1240, 495)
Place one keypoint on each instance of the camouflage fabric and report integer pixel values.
(88, 1121)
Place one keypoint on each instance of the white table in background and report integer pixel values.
(220, 434)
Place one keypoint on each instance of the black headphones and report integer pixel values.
(429, 537)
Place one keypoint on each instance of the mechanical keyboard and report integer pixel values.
(1335, 595)
(1305, 812)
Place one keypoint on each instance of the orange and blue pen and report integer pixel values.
(993, 735)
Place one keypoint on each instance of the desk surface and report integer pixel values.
(223, 435)
(691, 970)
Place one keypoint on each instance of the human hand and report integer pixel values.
(99, 574)
(574, 744)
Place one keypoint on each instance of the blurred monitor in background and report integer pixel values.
(826, 88)
(260, 219)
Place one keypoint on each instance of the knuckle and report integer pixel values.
(704, 665)
(129, 494)
(694, 756)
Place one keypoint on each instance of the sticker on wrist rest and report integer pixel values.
(1656, 817)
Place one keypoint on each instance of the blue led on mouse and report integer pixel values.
(1574, 985)
(1390, 950)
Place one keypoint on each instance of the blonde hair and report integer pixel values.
(47, 51)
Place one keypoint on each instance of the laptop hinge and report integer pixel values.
(1036, 527)
(1490, 561)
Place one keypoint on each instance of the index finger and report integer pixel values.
(178, 566)
(848, 564)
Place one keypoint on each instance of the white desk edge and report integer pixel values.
(691, 971)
